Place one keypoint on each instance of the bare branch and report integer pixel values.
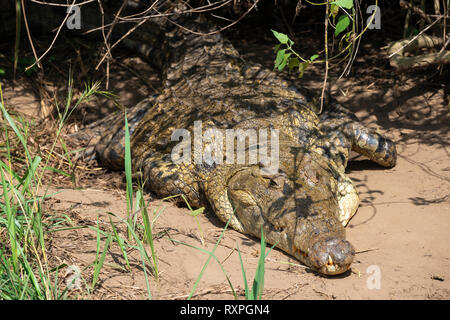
(61, 4)
(51, 45)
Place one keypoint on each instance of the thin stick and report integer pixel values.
(29, 38)
(406, 5)
(444, 29)
(326, 59)
(108, 49)
(219, 30)
(61, 4)
(418, 35)
(226, 258)
(126, 34)
(123, 37)
(366, 250)
(51, 45)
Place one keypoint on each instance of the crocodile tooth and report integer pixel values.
(330, 261)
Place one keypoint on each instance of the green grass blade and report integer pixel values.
(59, 171)
(258, 281)
(244, 276)
(140, 248)
(128, 173)
(147, 283)
(208, 260)
(30, 273)
(149, 234)
(16, 130)
(31, 172)
(120, 241)
(11, 217)
(99, 263)
(213, 256)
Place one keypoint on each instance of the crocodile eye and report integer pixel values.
(277, 181)
(274, 184)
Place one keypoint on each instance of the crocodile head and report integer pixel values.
(297, 210)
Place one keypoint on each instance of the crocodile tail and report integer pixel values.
(374, 146)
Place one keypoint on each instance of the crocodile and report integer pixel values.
(302, 204)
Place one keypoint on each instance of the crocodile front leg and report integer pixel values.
(216, 191)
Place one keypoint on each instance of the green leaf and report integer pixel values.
(2, 71)
(283, 63)
(313, 57)
(279, 58)
(302, 67)
(293, 62)
(343, 23)
(281, 37)
(347, 4)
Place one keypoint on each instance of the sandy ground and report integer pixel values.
(401, 230)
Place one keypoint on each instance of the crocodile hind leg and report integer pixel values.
(343, 132)
(374, 146)
(104, 139)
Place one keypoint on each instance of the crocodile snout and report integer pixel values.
(331, 256)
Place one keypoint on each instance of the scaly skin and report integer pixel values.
(304, 206)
